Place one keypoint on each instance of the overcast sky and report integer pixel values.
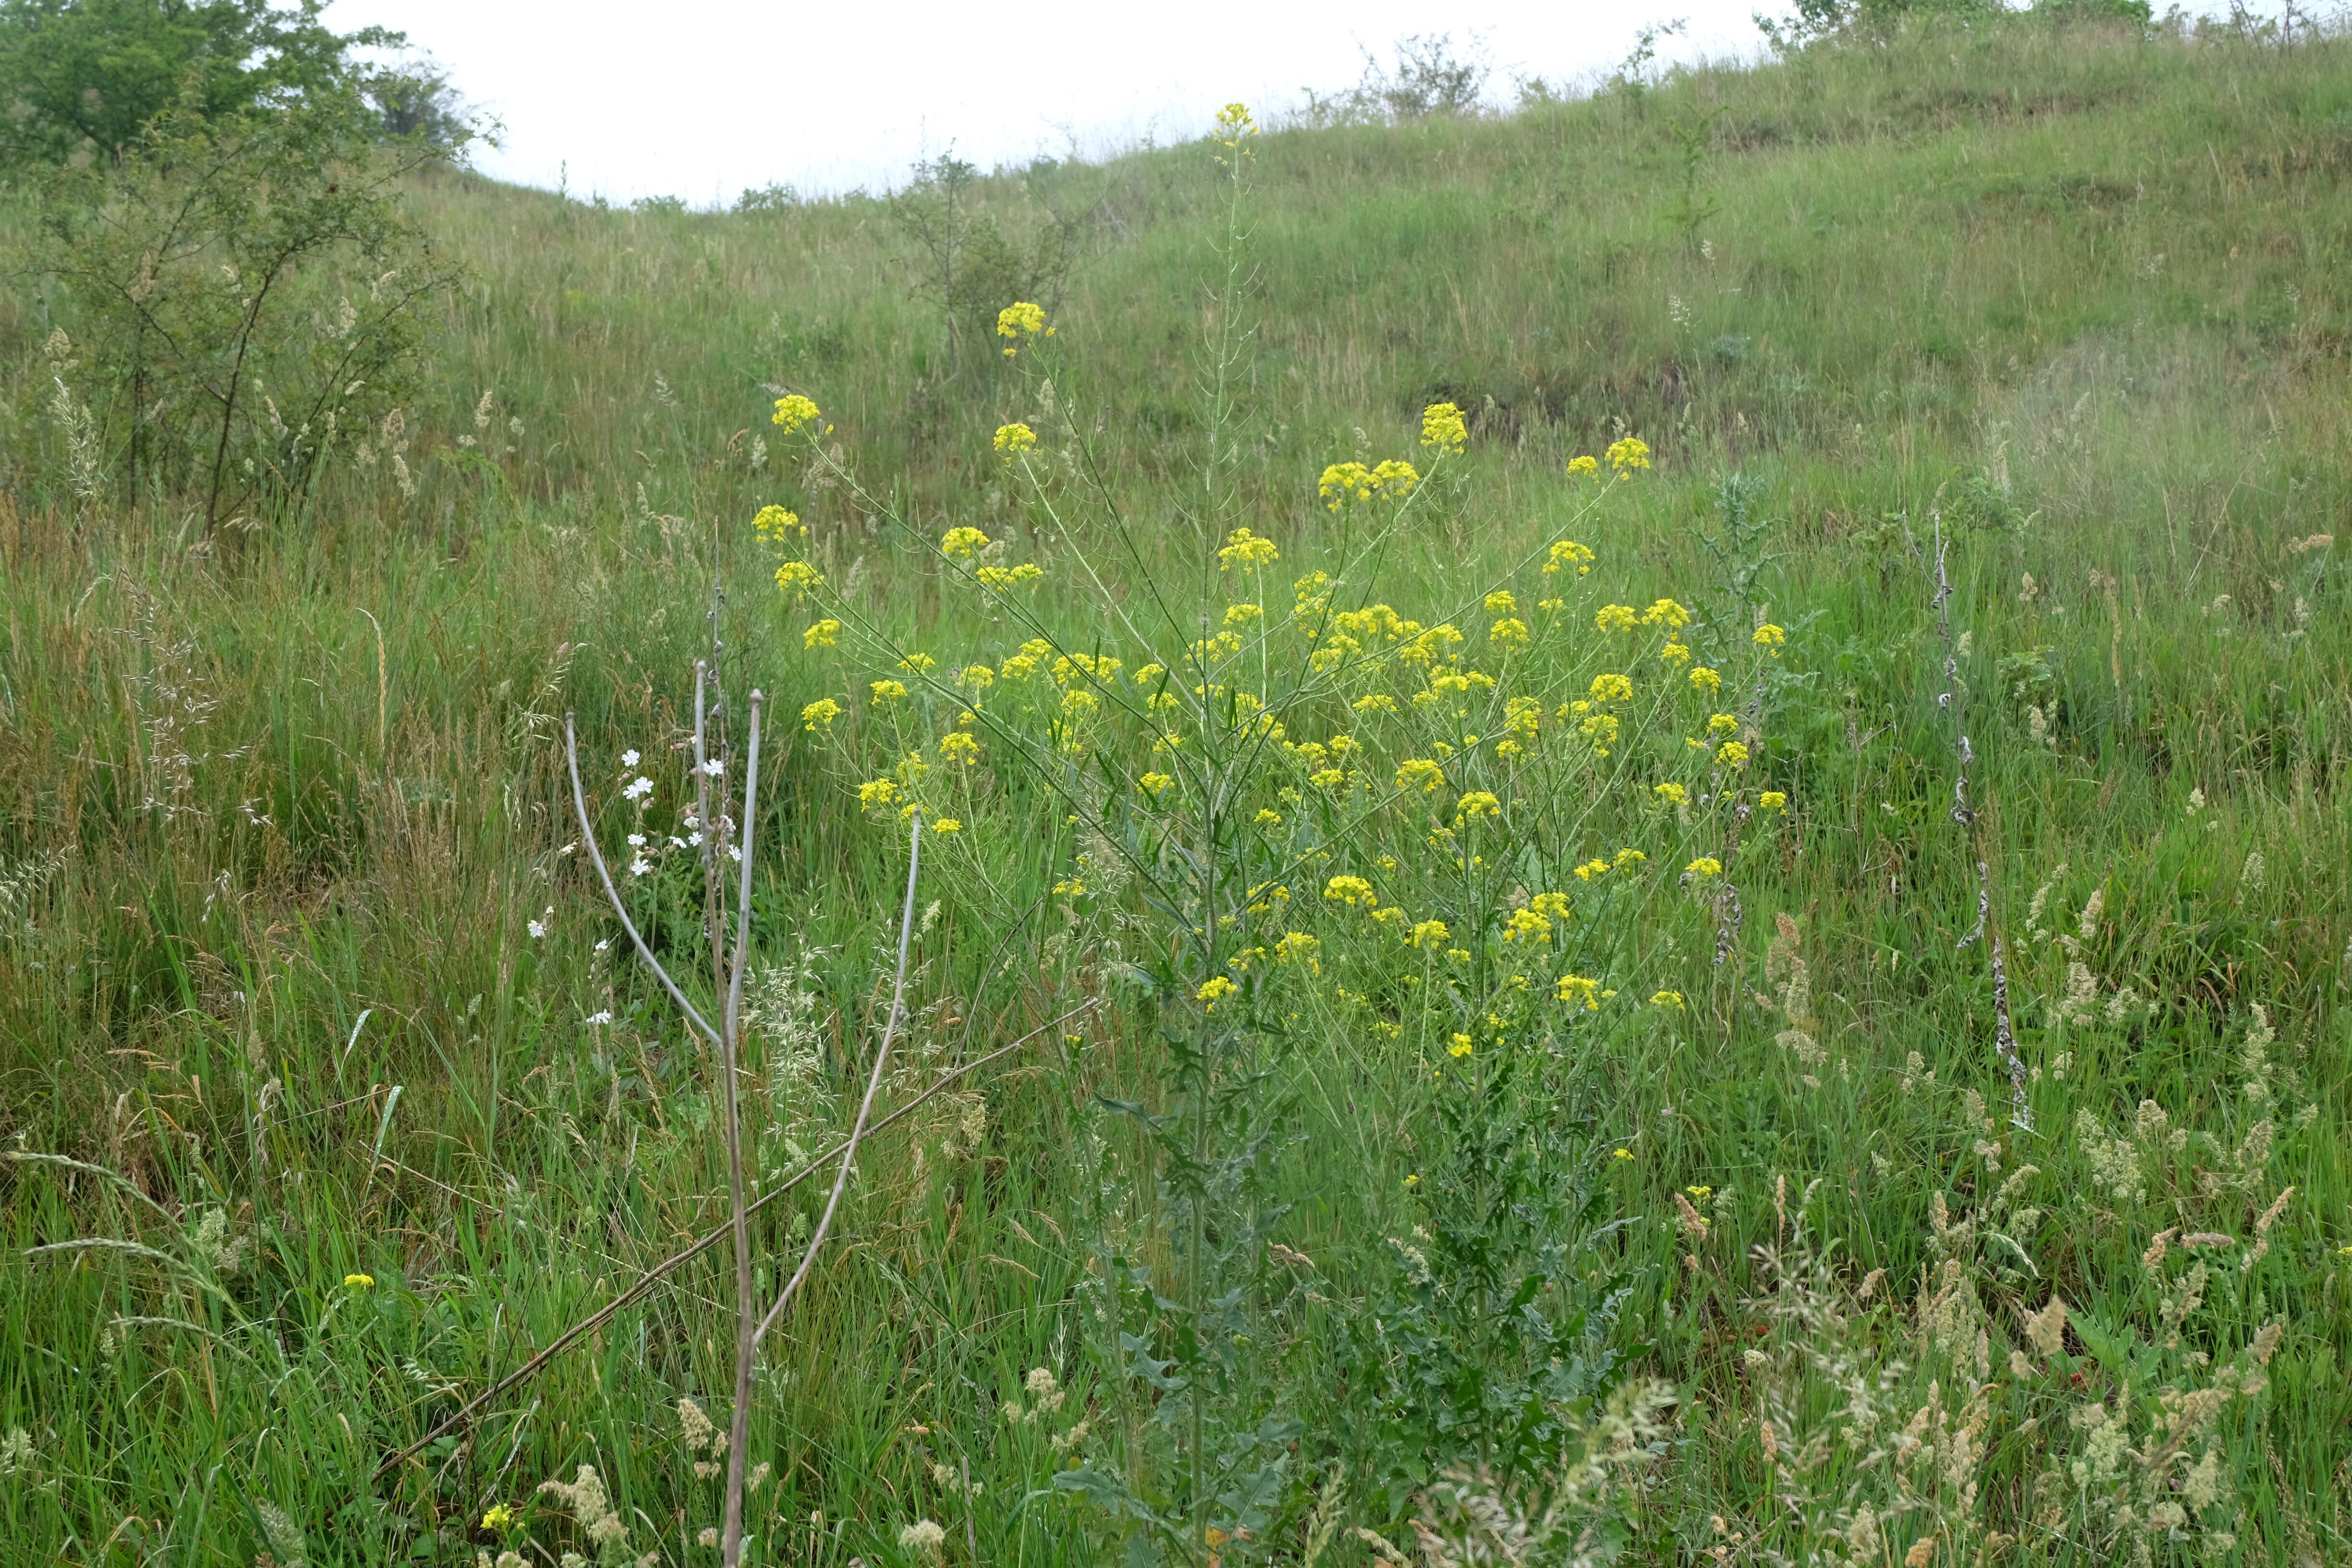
(702, 99)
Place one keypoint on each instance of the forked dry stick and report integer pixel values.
(729, 1026)
(653, 1276)
(730, 1540)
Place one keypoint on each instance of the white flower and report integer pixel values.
(735, 853)
(695, 836)
(539, 927)
(605, 945)
(640, 865)
(675, 842)
(637, 841)
(924, 1535)
(629, 758)
(639, 788)
(605, 1016)
(714, 767)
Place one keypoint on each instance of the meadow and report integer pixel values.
(1633, 822)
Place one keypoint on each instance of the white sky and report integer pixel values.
(702, 99)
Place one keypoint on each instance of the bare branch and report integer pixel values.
(873, 1087)
(746, 1339)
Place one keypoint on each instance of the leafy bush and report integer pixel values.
(248, 295)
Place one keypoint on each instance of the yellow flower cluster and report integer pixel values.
(1629, 454)
(1476, 804)
(793, 412)
(822, 634)
(819, 715)
(1526, 923)
(962, 543)
(1441, 427)
(1243, 548)
(997, 579)
(799, 579)
(1344, 482)
(1569, 552)
(1578, 467)
(775, 525)
(1013, 439)
(1020, 322)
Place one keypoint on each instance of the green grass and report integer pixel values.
(2082, 295)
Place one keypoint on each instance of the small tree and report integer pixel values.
(414, 101)
(247, 291)
(1428, 79)
(967, 262)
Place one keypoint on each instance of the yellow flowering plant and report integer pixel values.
(1204, 728)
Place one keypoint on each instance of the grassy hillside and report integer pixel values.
(304, 982)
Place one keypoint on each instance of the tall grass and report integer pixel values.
(275, 817)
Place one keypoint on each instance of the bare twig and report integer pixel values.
(731, 1545)
(653, 1276)
(730, 1018)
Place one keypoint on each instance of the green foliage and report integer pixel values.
(247, 296)
(85, 77)
(1491, 1340)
